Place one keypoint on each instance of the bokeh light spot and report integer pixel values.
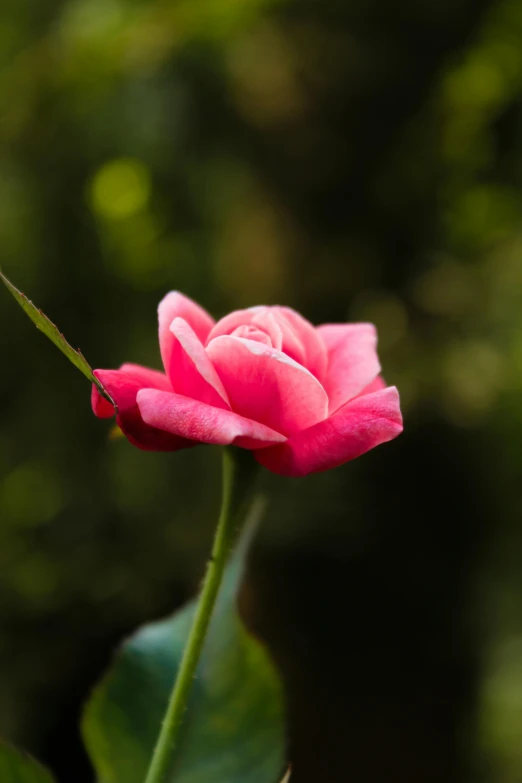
(446, 289)
(120, 189)
(475, 374)
(386, 311)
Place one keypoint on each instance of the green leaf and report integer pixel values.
(15, 767)
(53, 333)
(234, 729)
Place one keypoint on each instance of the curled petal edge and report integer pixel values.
(360, 425)
(196, 421)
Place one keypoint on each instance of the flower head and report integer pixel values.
(304, 399)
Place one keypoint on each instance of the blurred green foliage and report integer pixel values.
(358, 161)
(18, 768)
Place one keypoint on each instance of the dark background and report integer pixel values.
(358, 160)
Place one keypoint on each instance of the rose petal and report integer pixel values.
(352, 360)
(279, 329)
(357, 427)
(191, 372)
(265, 320)
(101, 407)
(176, 305)
(231, 322)
(153, 379)
(203, 423)
(267, 385)
(288, 331)
(123, 386)
(376, 385)
(251, 332)
(315, 355)
(290, 341)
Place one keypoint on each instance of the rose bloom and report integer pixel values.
(303, 399)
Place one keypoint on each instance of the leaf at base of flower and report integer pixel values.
(16, 767)
(234, 729)
(51, 331)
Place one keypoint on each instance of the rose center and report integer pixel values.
(249, 332)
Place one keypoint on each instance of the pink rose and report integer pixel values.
(303, 399)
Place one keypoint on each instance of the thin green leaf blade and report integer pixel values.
(234, 728)
(16, 767)
(45, 325)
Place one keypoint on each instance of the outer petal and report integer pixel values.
(376, 385)
(191, 372)
(103, 409)
(176, 305)
(123, 386)
(357, 427)
(352, 360)
(267, 385)
(155, 379)
(187, 418)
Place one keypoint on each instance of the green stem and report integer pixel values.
(237, 479)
